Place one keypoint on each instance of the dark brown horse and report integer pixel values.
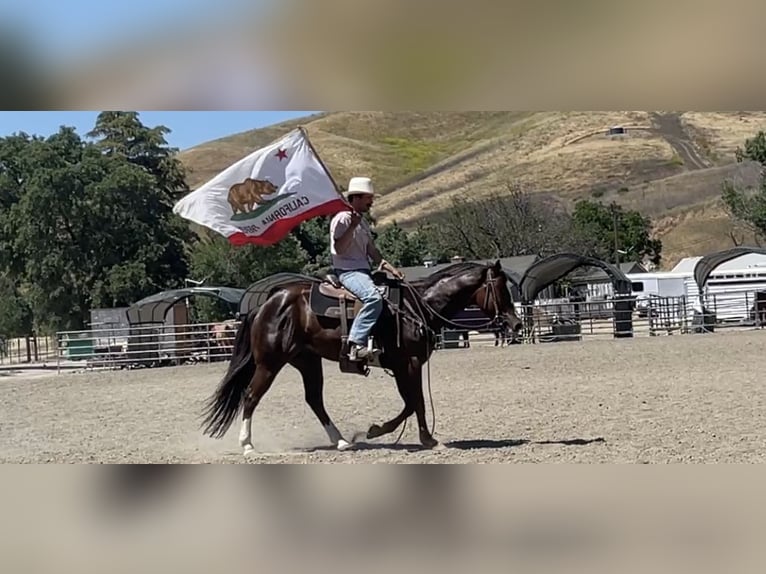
(285, 330)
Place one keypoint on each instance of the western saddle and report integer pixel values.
(328, 298)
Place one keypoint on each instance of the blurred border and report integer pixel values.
(375, 518)
(339, 54)
(392, 55)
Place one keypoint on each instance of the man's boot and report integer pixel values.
(357, 352)
(360, 353)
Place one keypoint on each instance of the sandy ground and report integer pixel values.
(692, 398)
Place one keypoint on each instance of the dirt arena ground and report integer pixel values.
(692, 398)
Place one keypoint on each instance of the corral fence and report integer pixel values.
(27, 350)
(547, 321)
(550, 321)
(560, 320)
(144, 346)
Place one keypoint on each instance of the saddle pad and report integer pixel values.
(329, 305)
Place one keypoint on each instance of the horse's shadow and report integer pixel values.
(509, 443)
(462, 444)
(485, 443)
(362, 445)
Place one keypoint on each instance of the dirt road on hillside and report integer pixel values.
(669, 126)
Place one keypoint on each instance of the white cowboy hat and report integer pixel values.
(360, 185)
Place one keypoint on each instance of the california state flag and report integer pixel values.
(263, 196)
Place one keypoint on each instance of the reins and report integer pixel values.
(490, 289)
(421, 305)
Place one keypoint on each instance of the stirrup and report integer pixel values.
(362, 353)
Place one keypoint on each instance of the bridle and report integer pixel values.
(490, 290)
(422, 308)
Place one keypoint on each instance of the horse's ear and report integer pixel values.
(497, 266)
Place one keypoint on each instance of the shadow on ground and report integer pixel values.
(509, 443)
(462, 444)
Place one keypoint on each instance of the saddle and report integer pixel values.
(328, 298)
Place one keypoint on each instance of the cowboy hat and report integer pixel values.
(360, 185)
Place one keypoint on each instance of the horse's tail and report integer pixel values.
(225, 403)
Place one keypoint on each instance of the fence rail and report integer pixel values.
(147, 346)
(563, 320)
(544, 322)
(27, 350)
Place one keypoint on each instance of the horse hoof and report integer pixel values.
(429, 442)
(248, 450)
(361, 435)
(344, 445)
(375, 431)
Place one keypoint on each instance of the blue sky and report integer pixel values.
(189, 128)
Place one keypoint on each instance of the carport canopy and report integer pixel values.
(258, 293)
(153, 309)
(709, 263)
(549, 270)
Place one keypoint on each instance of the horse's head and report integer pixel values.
(452, 289)
(494, 298)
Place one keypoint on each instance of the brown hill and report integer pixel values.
(669, 165)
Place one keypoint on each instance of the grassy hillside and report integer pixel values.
(670, 165)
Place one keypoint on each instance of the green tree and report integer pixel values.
(747, 206)
(399, 247)
(219, 263)
(15, 315)
(755, 149)
(313, 236)
(598, 224)
(15, 163)
(84, 228)
(123, 134)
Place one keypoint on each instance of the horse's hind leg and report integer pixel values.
(310, 367)
(262, 379)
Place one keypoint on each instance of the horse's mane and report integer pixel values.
(450, 271)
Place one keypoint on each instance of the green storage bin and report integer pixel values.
(79, 346)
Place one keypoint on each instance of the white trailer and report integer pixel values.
(731, 293)
(657, 284)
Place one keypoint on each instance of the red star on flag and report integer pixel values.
(282, 154)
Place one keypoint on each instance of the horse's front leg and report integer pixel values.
(403, 386)
(376, 431)
(415, 377)
(409, 381)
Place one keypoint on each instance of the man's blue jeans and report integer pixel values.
(360, 283)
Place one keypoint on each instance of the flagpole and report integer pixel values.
(319, 159)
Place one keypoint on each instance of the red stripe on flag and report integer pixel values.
(282, 228)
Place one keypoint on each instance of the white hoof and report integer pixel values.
(248, 450)
(343, 444)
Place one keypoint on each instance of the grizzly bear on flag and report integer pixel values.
(244, 196)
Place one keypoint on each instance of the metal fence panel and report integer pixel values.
(544, 322)
(146, 345)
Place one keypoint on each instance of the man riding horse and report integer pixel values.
(352, 247)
